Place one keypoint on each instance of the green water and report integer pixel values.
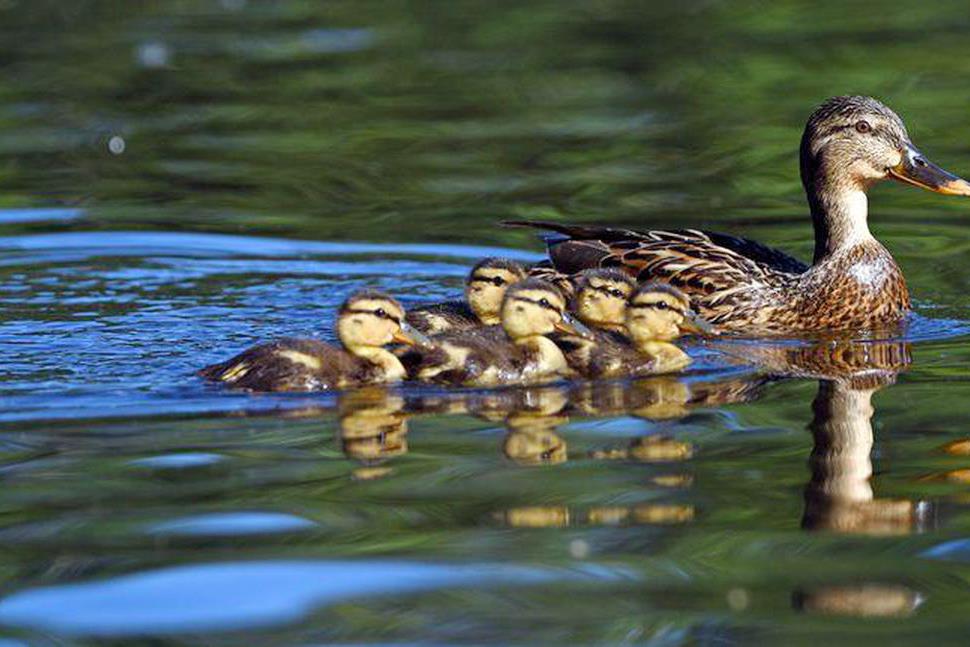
(179, 179)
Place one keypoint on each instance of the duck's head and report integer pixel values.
(486, 284)
(373, 319)
(534, 307)
(601, 296)
(659, 312)
(852, 142)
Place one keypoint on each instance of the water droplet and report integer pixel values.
(153, 54)
(738, 599)
(116, 145)
(579, 549)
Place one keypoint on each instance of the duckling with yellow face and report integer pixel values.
(367, 322)
(531, 310)
(484, 289)
(654, 316)
(600, 298)
(599, 301)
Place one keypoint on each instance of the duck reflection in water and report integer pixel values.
(839, 496)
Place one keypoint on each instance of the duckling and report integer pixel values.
(531, 310)
(601, 296)
(599, 301)
(656, 314)
(484, 289)
(367, 321)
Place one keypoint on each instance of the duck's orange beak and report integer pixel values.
(915, 169)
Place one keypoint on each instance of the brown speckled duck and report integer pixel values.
(366, 323)
(531, 310)
(739, 285)
(484, 289)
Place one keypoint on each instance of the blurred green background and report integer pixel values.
(428, 121)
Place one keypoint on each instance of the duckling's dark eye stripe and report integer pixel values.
(656, 304)
(603, 290)
(382, 315)
(537, 302)
(480, 278)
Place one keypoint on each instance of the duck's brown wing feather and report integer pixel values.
(698, 261)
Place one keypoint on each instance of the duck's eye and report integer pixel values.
(617, 293)
(661, 305)
(498, 281)
(544, 302)
(863, 126)
(381, 312)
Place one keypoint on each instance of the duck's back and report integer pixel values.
(476, 356)
(608, 354)
(438, 318)
(291, 365)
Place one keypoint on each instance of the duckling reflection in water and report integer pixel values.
(367, 322)
(373, 429)
(531, 310)
(485, 288)
(655, 315)
(869, 600)
(531, 426)
(650, 449)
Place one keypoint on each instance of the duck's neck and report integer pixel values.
(666, 356)
(840, 213)
(548, 359)
(391, 368)
(489, 318)
(604, 325)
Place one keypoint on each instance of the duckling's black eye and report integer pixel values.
(498, 281)
(617, 293)
(661, 305)
(380, 312)
(863, 126)
(544, 302)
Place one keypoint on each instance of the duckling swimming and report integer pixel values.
(531, 310)
(600, 298)
(656, 315)
(367, 322)
(484, 289)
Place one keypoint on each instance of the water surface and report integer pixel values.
(179, 180)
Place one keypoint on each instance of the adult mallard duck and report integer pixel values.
(367, 322)
(484, 289)
(849, 144)
(531, 310)
(656, 315)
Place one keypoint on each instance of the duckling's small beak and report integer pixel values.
(694, 324)
(573, 326)
(409, 335)
(915, 169)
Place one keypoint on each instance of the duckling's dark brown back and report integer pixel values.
(290, 365)
(437, 318)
